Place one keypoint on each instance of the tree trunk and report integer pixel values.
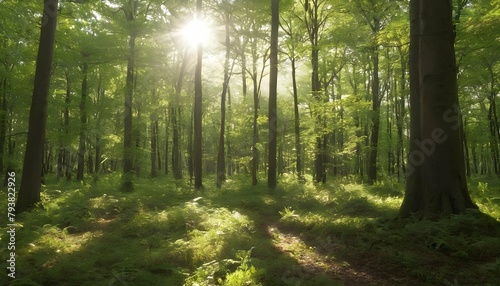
(197, 152)
(128, 156)
(255, 131)
(154, 172)
(83, 127)
(29, 192)
(100, 94)
(175, 116)
(436, 181)
(167, 116)
(298, 145)
(273, 85)
(158, 152)
(372, 164)
(221, 158)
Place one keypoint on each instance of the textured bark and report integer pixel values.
(29, 192)
(436, 182)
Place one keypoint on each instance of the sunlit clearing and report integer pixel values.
(196, 32)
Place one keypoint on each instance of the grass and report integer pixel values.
(165, 233)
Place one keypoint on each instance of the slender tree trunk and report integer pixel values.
(100, 94)
(128, 156)
(83, 127)
(190, 150)
(400, 115)
(29, 192)
(493, 123)
(154, 172)
(175, 116)
(243, 70)
(158, 152)
(273, 94)
(372, 164)
(221, 158)
(198, 140)
(230, 164)
(67, 155)
(167, 116)
(255, 131)
(298, 145)
(437, 183)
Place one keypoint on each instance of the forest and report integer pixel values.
(250, 142)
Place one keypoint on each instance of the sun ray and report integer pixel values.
(196, 32)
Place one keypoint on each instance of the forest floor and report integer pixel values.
(165, 233)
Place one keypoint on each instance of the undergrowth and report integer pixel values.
(165, 233)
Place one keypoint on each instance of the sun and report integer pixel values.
(196, 32)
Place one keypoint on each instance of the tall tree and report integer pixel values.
(436, 169)
(29, 192)
(315, 17)
(83, 122)
(130, 10)
(273, 85)
(292, 43)
(197, 152)
(221, 158)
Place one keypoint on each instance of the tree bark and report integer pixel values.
(29, 192)
(436, 183)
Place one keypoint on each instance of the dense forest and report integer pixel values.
(250, 142)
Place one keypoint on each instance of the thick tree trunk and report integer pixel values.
(273, 94)
(436, 182)
(29, 192)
